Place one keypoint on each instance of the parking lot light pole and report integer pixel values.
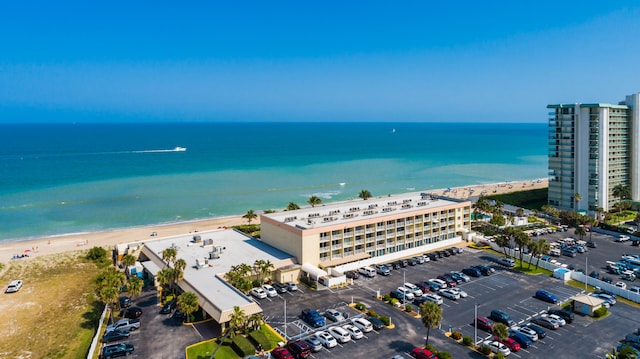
(404, 295)
(475, 324)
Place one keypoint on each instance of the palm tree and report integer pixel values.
(108, 296)
(580, 231)
(577, 197)
(265, 269)
(292, 206)
(503, 241)
(134, 287)
(500, 330)
(250, 215)
(237, 320)
(164, 277)
(534, 251)
(364, 194)
(498, 206)
(543, 248)
(431, 316)
(128, 260)
(621, 191)
(314, 200)
(267, 211)
(188, 303)
(255, 321)
(520, 212)
(522, 240)
(482, 205)
(169, 255)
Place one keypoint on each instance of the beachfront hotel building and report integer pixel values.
(593, 147)
(350, 234)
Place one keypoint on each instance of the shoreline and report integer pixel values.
(60, 243)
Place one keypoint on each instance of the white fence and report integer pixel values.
(95, 343)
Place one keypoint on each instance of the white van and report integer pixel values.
(555, 252)
(367, 272)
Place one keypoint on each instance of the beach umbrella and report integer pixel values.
(27, 250)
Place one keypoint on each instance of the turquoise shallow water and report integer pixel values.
(57, 179)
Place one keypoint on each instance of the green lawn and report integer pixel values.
(204, 350)
(531, 199)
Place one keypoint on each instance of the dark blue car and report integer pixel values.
(546, 296)
(521, 339)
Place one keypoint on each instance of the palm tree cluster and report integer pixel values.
(483, 205)
(250, 216)
(174, 269)
(536, 248)
(240, 276)
(240, 323)
(188, 303)
(108, 285)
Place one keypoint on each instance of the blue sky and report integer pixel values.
(496, 61)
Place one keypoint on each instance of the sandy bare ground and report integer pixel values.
(108, 239)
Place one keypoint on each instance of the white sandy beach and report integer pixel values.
(108, 239)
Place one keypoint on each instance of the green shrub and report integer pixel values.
(485, 350)
(408, 308)
(258, 338)
(394, 302)
(455, 335)
(242, 346)
(430, 348)
(97, 254)
(498, 355)
(361, 306)
(385, 320)
(372, 313)
(466, 340)
(600, 312)
(386, 298)
(444, 355)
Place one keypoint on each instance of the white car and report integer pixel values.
(432, 297)
(335, 315)
(426, 258)
(14, 286)
(622, 238)
(622, 285)
(449, 293)
(527, 332)
(292, 287)
(438, 283)
(326, 339)
(405, 292)
(417, 292)
(258, 293)
(271, 291)
(634, 289)
(362, 324)
(556, 319)
(353, 331)
(497, 347)
(460, 292)
(341, 335)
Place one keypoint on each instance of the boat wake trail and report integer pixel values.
(71, 154)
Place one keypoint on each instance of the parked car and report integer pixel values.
(526, 331)
(299, 349)
(484, 269)
(271, 291)
(125, 302)
(437, 283)
(545, 322)
(417, 292)
(621, 284)
(510, 343)
(382, 269)
(501, 317)
(606, 297)
(472, 272)
(421, 353)
(14, 286)
(117, 350)
(168, 307)
(351, 274)
(291, 287)
(131, 312)
(404, 293)
(569, 251)
(507, 262)
(314, 343)
(341, 335)
(326, 339)
(114, 335)
(541, 332)
(258, 293)
(281, 353)
(448, 279)
(362, 324)
(497, 347)
(376, 323)
(280, 288)
(622, 238)
(591, 244)
(460, 292)
(564, 314)
(312, 317)
(449, 293)
(561, 322)
(546, 296)
(485, 324)
(353, 331)
(335, 315)
(463, 277)
(524, 341)
(429, 297)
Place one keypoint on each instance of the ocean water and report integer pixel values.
(64, 178)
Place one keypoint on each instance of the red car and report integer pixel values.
(281, 353)
(513, 345)
(485, 324)
(420, 353)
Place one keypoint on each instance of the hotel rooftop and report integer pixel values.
(353, 210)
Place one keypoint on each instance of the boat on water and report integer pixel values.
(180, 149)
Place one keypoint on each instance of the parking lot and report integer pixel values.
(506, 289)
